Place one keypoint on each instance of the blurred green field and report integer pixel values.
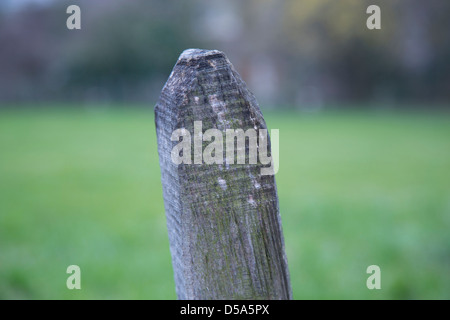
(356, 188)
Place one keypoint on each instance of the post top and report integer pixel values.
(195, 54)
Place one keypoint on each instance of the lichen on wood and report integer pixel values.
(223, 220)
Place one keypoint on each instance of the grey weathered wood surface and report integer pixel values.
(223, 221)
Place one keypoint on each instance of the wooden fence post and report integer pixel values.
(223, 219)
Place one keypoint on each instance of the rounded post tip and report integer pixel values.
(189, 54)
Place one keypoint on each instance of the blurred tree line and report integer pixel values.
(290, 52)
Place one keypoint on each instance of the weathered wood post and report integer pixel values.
(223, 218)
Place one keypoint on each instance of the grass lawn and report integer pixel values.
(356, 188)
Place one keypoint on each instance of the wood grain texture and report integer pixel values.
(223, 221)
